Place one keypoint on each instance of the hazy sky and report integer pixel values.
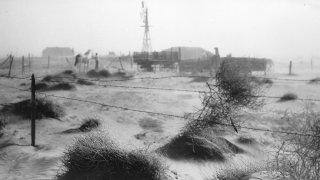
(276, 29)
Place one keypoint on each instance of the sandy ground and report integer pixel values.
(18, 160)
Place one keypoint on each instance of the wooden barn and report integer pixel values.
(57, 52)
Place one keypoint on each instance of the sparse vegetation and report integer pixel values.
(246, 140)
(65, 76)
(192, 147)
(3, 123)
(89, 124)
(315, 80)
(95, 157)
(84, 82)
(150, 124)
(298, 157)
(237, 173)
(267, 81)
(101, 73)
(44, 86)
(233, 91)
(43, 108)
(288, 97)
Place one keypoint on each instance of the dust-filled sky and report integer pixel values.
(278, 29)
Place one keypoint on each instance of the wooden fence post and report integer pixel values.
(33, 111)
(11, 60)
(22, 63)
(290, 68)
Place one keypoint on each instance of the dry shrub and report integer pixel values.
(288, 97)
(45, 86)
(43, 108)
(65, 76)
(96, 157)
(267, 81)
(41, 86)
(314, 80)
(150, 124)
(233, 91)
(89, 124)
(84, 82)
(60, 81)
(298, 157)
(3, 123)
(101, 73)
(236, 86)
(246, 140)
(61, 86)
(198, 148)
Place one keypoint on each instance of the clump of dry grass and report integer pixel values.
(43, 108)
(288, 97)
(246, 140)
(84, 82)
(267, 81)
(96, 157)
(89, 124)
(315, 80)
(65, 76)
(3, 123)
(150, 124)
(60, 81)
(101, 73)
(45, 86)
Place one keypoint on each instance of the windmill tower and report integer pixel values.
(146, 45)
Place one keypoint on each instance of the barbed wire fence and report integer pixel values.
(154, 88)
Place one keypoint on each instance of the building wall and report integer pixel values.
(57, 52)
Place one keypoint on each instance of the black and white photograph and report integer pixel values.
(159, 90)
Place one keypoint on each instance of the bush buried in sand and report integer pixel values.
(95, 157)
(198, 148)
(288, 97)
(44, 108)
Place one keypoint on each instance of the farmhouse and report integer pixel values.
(57, 52)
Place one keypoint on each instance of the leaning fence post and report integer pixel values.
(22, 63)
(11, 60)
(33, 111)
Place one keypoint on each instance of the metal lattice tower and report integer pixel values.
(146, 45)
